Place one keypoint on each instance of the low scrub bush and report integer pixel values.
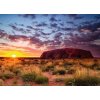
(47, 68)
(17, 71)
(7, 75)
(29, 77)
(59, 71)
(83, 81)
(1, 82)
(59, 80)
(41, 80)
(71, 71)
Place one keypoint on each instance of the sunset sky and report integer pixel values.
(28, 35)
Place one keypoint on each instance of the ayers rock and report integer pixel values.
(66, 53)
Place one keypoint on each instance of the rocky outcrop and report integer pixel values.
(66, 53)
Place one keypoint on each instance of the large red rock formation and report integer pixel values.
(66, 53)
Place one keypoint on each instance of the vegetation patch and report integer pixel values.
(7, 75)
(41, 79)
(28, 77)
(59, 80)
(47, 68)
(83, 81)
(1, 82)
(71, 71)
(59, 71)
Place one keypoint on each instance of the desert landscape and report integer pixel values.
(49, 49)
(49, 72)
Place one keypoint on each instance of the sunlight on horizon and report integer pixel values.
(14, 56)
(16, 53)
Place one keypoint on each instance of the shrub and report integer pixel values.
(41, 79)
(47, 68)
(71, 71)
(27, 84)
(59, 80)
(28, 77)
(59, 71)
(95, 67)
(7, 75)
(1, 82)
(17, 71)
(83, 81)
(98, 68)
(68, 64)
(14, 82)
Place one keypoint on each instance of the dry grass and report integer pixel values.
(49, 72)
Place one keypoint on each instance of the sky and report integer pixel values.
(28, 35)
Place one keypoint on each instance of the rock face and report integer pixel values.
(66, 53)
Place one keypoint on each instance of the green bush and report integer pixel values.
(47, 68)
(28, 77)
(7, 75)
(60, 72)
(59, 80)
(83, 81)
(17, 71)
(41, 80)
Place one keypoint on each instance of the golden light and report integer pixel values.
(17, 53)
(13, 56)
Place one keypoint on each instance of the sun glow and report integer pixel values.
(13, 56)
(18, 53)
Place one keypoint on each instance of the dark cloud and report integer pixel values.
(72, 15)
(2, 30)
(17, 37)
(36, 41)
(45, 15)
(83, 37)
(43, 33)
(32, 16)
(87, 33)
(90, 26)
(62, 24)
(30, 27)
(97, 17)
(34, 28)
(53, 19)
(70, 22)
(54, 25)
(19, 24)
(37, 34)
(58, 35)
(75, 16)
(28, 31)
(3, 33)
(67, 29)
(34, 22)
(14, 27)
(42, 24)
